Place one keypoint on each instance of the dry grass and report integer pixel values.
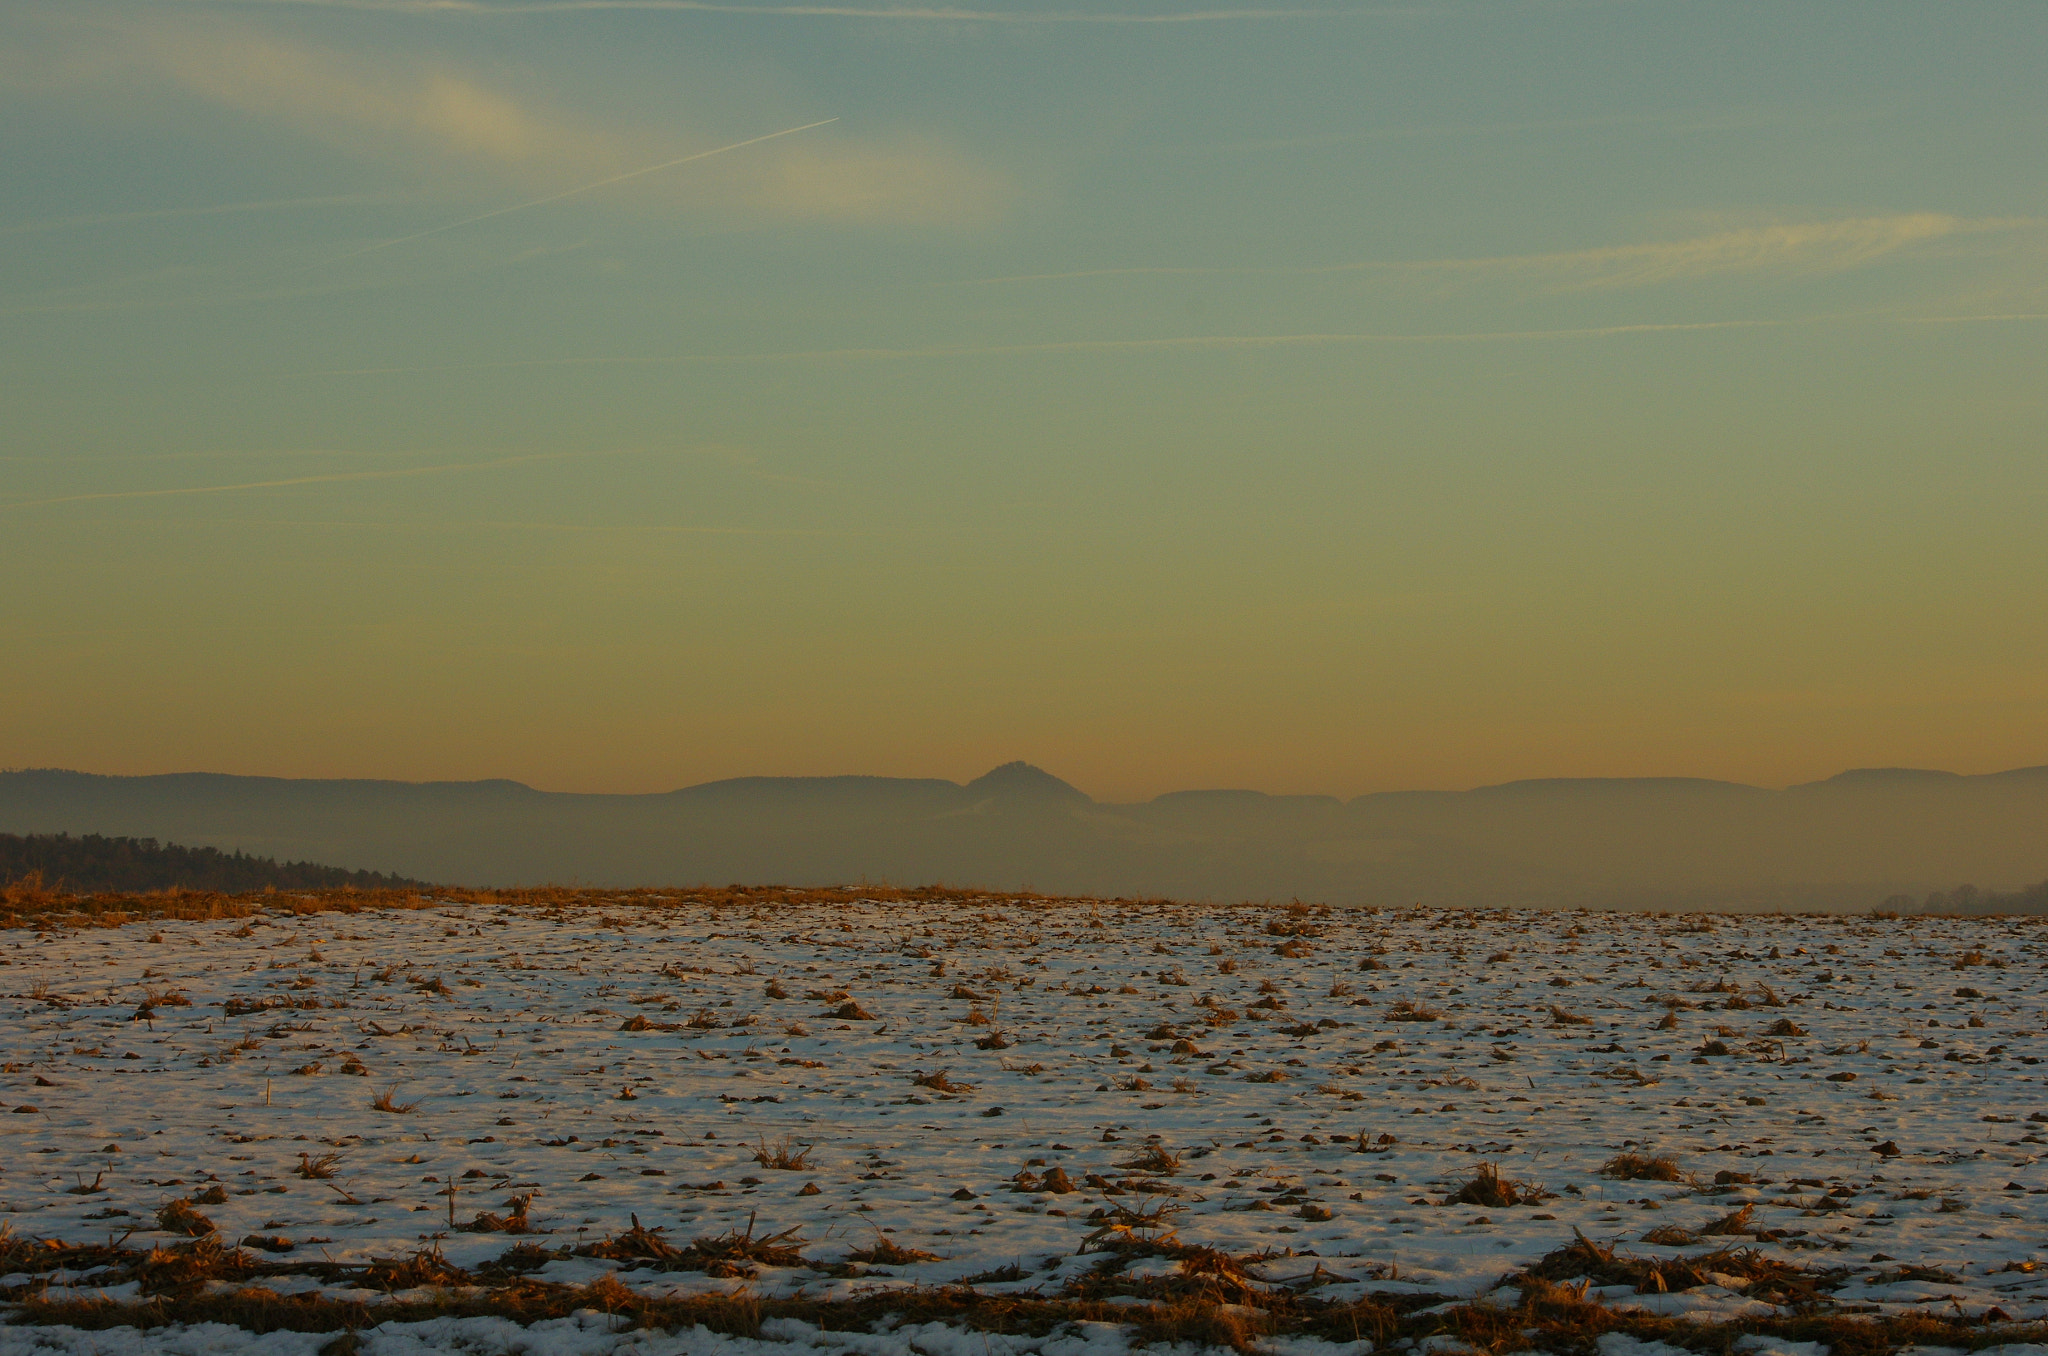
(515, 1221)
(1488, 1188)
(32, 903)
(178, 1217)
(938, 1082)
(1771, 1280)
(383, 1102)
(1409, 1010)
(317, 1169)
(888, 1252)
(1731, 1226)
(1633, 1167)
(1153, 1159)
(1563, 1016)
(1210, 1299)
(733, 1254)
(786, 1154)
(1146, 1229)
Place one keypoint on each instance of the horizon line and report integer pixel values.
(1853, 772)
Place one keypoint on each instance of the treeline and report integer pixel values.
(90, 864)
(1968, 899)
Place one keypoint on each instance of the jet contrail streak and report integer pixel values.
(570, 193)
(329, 479)
(837, 11)
(1183, 343)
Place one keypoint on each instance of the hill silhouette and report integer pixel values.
(1852, 841)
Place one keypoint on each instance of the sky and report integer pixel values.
(1318, 398)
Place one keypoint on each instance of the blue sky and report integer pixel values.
(1319, 398)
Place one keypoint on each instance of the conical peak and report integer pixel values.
(1022, 781)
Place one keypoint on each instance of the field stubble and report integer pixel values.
(1221, 1126)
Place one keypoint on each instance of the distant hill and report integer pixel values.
(91, 865)
(1855, 841)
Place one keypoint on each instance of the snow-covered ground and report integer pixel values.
(1252, 1071)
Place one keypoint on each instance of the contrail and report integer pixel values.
(1169, 343)
(570, 193)
(328, 479)
(204, 210)
(915, 13)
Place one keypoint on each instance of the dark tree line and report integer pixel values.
(1969, 899)
(91, 864)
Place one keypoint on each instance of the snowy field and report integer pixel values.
(1025, 1096)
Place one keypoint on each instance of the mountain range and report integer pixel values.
(1851, 841)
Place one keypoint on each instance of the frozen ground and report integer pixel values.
(1250, 1072)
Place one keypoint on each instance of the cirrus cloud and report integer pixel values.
(433, 120)
(1792, 247)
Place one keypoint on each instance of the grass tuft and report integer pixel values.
(786, 1154)
(888, 1252)
(383, 1102)
(1633, 1167)
(1488, 1188)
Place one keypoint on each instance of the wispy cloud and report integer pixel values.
(444, 526)
(1079, 273)
(736, 461)
(900, 13)
(468, 135)
(1796, 247)
(194, 288)
(1197, 342)
(286, 482)
(580, 189)
(1789, 248)
(2006, 317)
(224, 209)
(1675, 121)
(1160, 344)
(1175, 343)
(380, 106)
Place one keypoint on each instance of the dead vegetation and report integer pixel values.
(889, 1253)
(32, 903)
(1634, 1167)
(735, 1254)
(1488, 1188)
(1210, 1298)
(786, 1154)
(1765, 1278)
(516, 1220)
(383, 1101)
(938, 1082)
(178, 1217)
(1153, 1159)
(1177, 1302)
